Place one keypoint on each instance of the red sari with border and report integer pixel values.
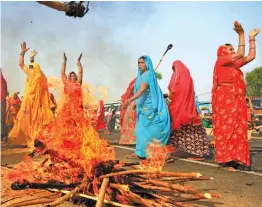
(100, 117)
(230, 110)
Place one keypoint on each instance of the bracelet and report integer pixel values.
(251, 40)
(22, 53)
(252, 48)
(241, 45)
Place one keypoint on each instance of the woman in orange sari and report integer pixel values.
(188, 135)
(229, 103)
(35, 108)
(13, 106)
(128, 117)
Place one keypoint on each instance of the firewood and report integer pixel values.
(91, 197)
(102, 192)
(67, 196)
(175, 174)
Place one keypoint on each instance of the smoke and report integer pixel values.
(109, 56)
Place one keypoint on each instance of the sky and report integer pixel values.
(112, 35)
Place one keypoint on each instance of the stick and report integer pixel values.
(91, 197)
(34, 202)
(175, 174)
(102, 192)
(67, 196)
(180, 188)
(169, 47)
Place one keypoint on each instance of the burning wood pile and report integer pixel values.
(109, 183)
(78, 165)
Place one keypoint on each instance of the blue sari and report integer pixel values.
(153, 119)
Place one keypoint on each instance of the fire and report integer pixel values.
(70, 143)
(157, 156)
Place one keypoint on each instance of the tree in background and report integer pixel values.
(254, 82)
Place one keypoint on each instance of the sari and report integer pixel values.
(13, 106)
(153, 120)
(4, 130)
(128, 117)
(35, 108)
(189, 134)
(100, 117)
(230, 110)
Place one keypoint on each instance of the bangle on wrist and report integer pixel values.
(252, 48)
(250, 40)
(22, 53)
(241, 45)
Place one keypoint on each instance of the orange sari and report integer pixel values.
(13, 106)
(128, 117)
(35, 108)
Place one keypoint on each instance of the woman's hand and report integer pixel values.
(65, 58)
(126, 104)
(253, 33)
(23, 47)
(238, 28)
(79, 58)
(33, 54)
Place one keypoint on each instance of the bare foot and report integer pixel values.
(231, 169)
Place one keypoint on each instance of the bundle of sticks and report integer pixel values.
(124, 185)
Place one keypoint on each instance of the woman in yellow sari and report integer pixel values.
(35, 108)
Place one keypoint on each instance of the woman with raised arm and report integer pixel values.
(229, 103)
(35, 109)
(153, 120)
(72, 86)
(188, 135)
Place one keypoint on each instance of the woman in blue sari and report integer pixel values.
(153, 119)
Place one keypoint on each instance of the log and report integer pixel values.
(102, 192)
(175, 174)
(91, 197)
(69, 195)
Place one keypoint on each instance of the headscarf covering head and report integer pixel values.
(222, 50)
(153, 85)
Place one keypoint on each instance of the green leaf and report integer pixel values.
(158, 75)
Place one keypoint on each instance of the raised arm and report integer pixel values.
(63, 70)
(241, 46)
(252, 49)
(80, 70)
(21, 58)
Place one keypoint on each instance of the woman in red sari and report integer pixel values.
(100, 117)
(188, 135)
(229, 103)
(128, 117)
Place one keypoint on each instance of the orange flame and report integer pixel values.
(157, 156)
(73, 145)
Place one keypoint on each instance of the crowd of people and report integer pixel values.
(147, 115)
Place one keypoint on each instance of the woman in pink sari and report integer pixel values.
(188, 135)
